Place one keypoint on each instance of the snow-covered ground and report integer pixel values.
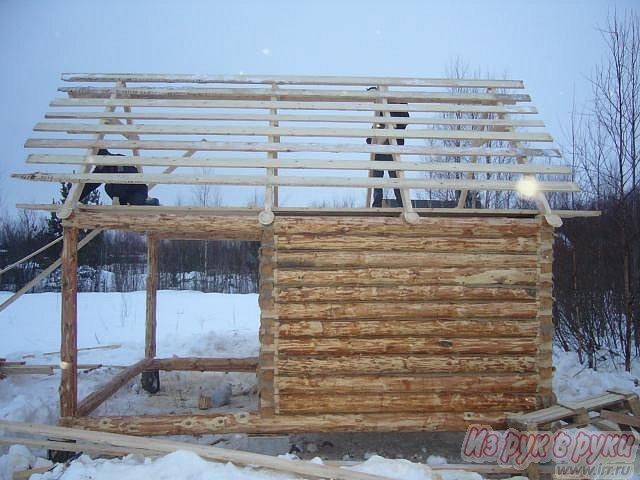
(189, 324)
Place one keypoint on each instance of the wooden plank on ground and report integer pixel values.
(207, 452)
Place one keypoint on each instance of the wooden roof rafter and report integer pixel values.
(274, 117)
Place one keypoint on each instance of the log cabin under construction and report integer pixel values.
(372, 319)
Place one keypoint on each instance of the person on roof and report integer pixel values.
(126, 193)
(385, 157)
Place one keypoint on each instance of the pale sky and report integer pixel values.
(552, 45)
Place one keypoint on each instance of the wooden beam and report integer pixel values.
(337, 164)
(231, 227)
(293, 181)
(304, 469)
(292, 94)
(279, 117)
(309, 211)
(95, 399)
(286, 105)
(151, 297)
(422, 134)
(69, 324)
(288, 147)
(290, 80)
(252, 422)
(198, 364)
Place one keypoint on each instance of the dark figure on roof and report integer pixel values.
(385, 157)
(126, 193)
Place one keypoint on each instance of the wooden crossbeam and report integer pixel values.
(290, 80)
(305, 117)
(424, 134)
(195, 93)
(210, 146)
(293, 163)
(95, 399)
(286, 105)
(292, 181)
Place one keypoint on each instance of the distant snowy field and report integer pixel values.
(189, 324)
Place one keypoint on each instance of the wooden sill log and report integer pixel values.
(302, 468)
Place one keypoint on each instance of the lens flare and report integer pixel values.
(527, 186)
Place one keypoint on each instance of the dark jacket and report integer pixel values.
(400, 126)
(133, 194)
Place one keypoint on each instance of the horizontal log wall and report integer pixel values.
(372, 316)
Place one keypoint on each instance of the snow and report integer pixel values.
(189, 324)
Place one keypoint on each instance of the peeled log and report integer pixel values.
(411, 276)
(401, 293)
(324, 259)
(432, 346)
(410, 402)
(214, 227)
(428, 226)
(428, 244)
(424, 327)
(381, 310)
(404, 364)
(522, 383)
(246, 422)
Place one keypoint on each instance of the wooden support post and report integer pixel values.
(151, 378)
(268, 326)
(69, 324)
(409, 215)
(152, 289)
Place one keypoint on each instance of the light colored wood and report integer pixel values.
(459, 328)
(252, 422)
(329, 259)
(213, 227)
(377, 384)
(433, 244)
(208, 452)
(95, 399)
(76, 190)
(204, 402)
(406, 364)
(151, 297)
(428, 227)
(423, 134)
(401, 293)
(290, 80)
(339, 164)
(203, 364)
(289, 147)
(289, 105)
(408, 310)
(315, 212)
(289, 347)
(293, 94)
(66, 446)
(69, 324)
(291, 181)
(26, 474)
(279, 117)
(405, 402)
(268, 332)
